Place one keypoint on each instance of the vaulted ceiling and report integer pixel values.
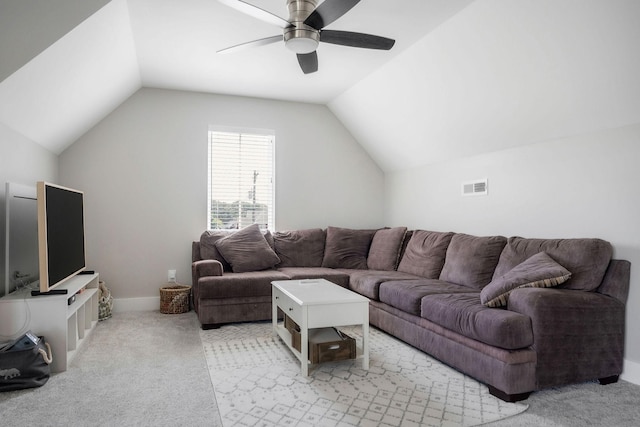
(465, 76)
(66, 78)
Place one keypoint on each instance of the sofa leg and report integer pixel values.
(508, 397)
(208, 326)
(608, 380)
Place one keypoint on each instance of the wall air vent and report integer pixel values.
(475, 188)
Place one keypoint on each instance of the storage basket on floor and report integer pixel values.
(174, 299)
(105, 302)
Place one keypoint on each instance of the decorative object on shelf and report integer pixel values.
(105, 303)
(174, 298)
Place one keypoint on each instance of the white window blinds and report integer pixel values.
(241, 189)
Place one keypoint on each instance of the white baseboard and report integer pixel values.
(631, 372)
(121, 305)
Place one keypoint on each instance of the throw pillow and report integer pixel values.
(539, 271)
(300, 248)
(385, 248)
(470, 260)
(347, 248)
(425, 253)
(247, 250)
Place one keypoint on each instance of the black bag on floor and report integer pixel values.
(25, 368)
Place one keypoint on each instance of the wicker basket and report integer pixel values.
(105, 302)
(174, 299)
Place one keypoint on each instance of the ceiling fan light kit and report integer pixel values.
(304, 30)
(301, 40)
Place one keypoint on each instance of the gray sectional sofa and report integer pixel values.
(517, 314)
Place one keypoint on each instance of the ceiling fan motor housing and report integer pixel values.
(301, 38)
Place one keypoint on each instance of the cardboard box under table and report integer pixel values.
(325, 344)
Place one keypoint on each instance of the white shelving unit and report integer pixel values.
(65, 327)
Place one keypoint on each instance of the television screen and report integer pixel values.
(60, 234)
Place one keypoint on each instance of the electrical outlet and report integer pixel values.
(171, 276)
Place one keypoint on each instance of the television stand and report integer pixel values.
(51, 292)
(65, 326)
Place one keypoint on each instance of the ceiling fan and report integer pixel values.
(305, 29)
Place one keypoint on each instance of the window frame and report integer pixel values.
(247, 133)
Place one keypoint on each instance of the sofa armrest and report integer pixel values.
(616, 280)
(195, 251)
(577, 335)
(205, 267)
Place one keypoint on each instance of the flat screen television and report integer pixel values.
(61, 244)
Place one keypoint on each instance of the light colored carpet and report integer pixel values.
(257, 381)
(149, 369)
(136, 369)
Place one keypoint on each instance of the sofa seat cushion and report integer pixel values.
(300, 248)
(299, 273)
(471, 260)
(463, 313)
(586, 259)
(385, 248)
(367, 282)
(407, 295)
(232, 285)
(425, 253)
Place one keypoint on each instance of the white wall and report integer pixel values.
(582, 186)
(144, 173)
(24, 162)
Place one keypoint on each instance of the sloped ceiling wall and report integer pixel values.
(500, 74)
(74, 83)
(54, 90)
(29, 27)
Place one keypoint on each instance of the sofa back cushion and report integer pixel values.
(208, 248)
(347, 248)
(586, 259)
(425, 253)
(471, 260)
(300, 248)
(385, 248)
(405, 243)
(247, 250)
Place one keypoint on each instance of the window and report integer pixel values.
(240, 180)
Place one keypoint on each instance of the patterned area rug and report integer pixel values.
(257, 382)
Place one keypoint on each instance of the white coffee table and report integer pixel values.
(318, 303)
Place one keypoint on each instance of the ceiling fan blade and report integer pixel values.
(256, 12)
(329, 11)
(308, 62)
(254, 43)
(348, 38)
